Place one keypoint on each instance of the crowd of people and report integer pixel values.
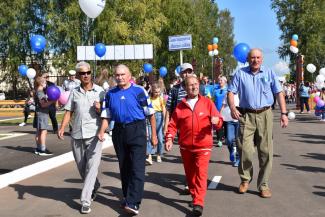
(144, 119)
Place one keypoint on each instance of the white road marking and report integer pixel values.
(11, 135)
(214, 182)
(42, 166)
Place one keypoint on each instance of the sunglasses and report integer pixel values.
(84, 73)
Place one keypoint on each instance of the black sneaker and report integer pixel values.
(85, 209)
(132, 209)
(45, 153)
(37, 151)
(197, 210)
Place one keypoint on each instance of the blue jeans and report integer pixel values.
(159, 130)
(232, 133)
(323, 115)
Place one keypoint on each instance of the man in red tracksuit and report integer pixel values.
(194, 118)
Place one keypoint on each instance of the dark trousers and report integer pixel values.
(304, 101)
(26, 113)
(130, 147)
(52, 114)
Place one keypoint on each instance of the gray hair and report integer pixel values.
(81, 65)
(254, 49)
(122, 66)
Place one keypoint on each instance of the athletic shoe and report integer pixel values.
(149, 159)
(22, 124)
(131, 209)
(197, 210)
(236, 163)
(219, 144)
(37, 151)
(29, 116)
(45, 153)
(85, 209)
(159, 159)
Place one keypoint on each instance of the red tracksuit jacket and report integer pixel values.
(195, 127)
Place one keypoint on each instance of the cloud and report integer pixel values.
(281, 68)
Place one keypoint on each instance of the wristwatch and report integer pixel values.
(284, 113)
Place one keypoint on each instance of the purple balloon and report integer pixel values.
(320, 103)
(53, 93)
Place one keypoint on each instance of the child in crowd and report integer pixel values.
(29, 106)
(41, 116)
(158, 105)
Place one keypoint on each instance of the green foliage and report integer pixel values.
(65, 27)
(305, 18)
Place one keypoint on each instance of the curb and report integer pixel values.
(42, 166)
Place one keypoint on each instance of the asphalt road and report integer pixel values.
(297, 181)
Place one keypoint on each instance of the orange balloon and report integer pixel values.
(215, 46)
(210, 48)
(293, 43)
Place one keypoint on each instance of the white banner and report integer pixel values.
(180, 42)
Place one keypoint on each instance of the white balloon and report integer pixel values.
(92, 8)
(291, 115)
(320, 78)
(105, 86)
(215, 52)
(322, 71)
(211, 53)
(319, 86)
(311, 68)
(31, 73)
(294, 49)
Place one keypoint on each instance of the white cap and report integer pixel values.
(185, 66)
(72, 72)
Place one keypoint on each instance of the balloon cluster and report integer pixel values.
(320, 79)
(241, 51)
(147, 68)
(294, 44)
(213, 48)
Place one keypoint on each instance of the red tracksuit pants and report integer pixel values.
(196, 171)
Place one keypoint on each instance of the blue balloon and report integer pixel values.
(241, 51)
(178, 69)
(53, 93)
(147, 67)
(215, 40)
(22, 69)
(163, 71)
(38, 43)
(295, 37)
(100, 49)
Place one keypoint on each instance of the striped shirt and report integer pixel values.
(175, 96)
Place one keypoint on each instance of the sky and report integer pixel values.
(255, 24)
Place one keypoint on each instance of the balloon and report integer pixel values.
(31, 73)
(210, 47)
(147, 67)
(211, 53)
(319, 85)
(293, 43)
(106, 86)
(163, 71)
(92, 8)
(215, 52)
(100, 49)
(320, 78)
(320, 103)
(53, 93)
(177, 70)
(215, 46)
(295, 37)
(294, 49)
(311, 68)
(22, 70)
(215, 40)
(38, 43)
(165, 97)
(317, 94)
(316, 99)
(241, 51)
(291, 115)
(64, 96)
(322, 71)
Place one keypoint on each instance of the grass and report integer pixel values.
(15, 122)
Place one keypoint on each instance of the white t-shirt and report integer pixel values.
(226, 113)
(192, 102)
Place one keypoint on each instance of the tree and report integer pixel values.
(305, 18)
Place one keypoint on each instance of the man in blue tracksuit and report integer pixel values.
(128, 105)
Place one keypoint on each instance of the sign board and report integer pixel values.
(180, 42)
(117, 52)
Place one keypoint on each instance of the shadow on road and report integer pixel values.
(319, 193)
(316, 156)
(20, 148)
(305, 168)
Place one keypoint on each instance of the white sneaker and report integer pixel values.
(159, 159)
(322, 119)
(149, 159)
(29, 116)
(22, 124)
